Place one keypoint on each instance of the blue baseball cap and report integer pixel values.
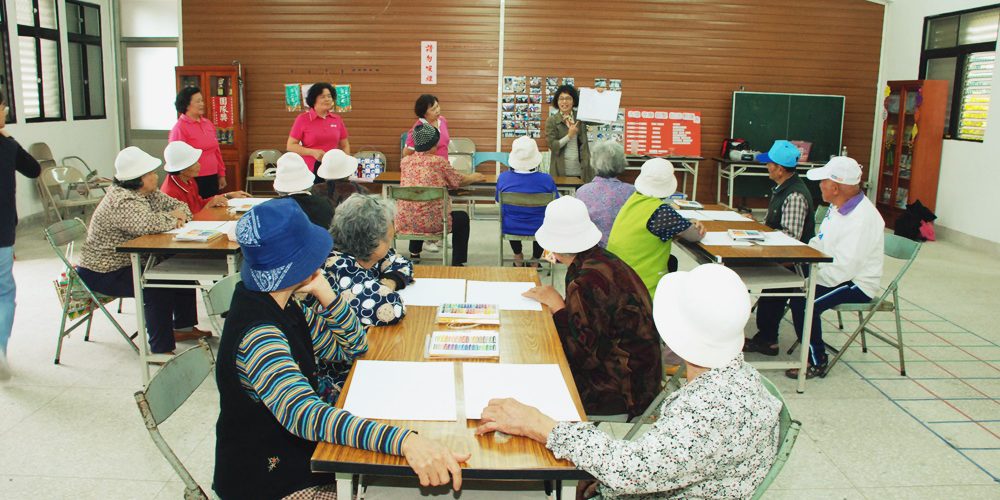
(782, 153)
(280, 246)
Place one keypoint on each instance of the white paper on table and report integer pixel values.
(199, 225)
(243, 204)
(779, 239)
(600, 107)
(228, 227)
(721, 238)
(505, 294)
(693, 215)
(726, 215)
(433, 292)
(403, 390)
(541, 386)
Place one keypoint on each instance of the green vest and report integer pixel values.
(632, 242)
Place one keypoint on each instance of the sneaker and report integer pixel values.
(812, 372)
(432, 246)
(5, 373)
(753, 345)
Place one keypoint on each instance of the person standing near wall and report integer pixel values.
(198, 131)
(12, 158)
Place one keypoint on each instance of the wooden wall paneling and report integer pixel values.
(372, 45)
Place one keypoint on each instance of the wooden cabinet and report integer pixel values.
(912, 134)
(223, 107)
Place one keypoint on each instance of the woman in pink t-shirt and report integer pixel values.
(428, 110)
(320, 129)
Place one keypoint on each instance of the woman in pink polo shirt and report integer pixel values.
(318, 130)
(197, 131)
(428, 110)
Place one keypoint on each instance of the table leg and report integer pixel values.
(718, 185)
(694, 184)
(231, 268)
(142, 339)
(732, 171)
(807, 328)
(345, 486)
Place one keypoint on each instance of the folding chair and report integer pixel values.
(56, 186)
(460, 153)
(218, 298)
(93, 178)
(421, 194)
(42, 153)
(499, 157)
(172, 385)
(788, 432)
(896, 247)
(671, 382)
(527, 200)
(63, 237)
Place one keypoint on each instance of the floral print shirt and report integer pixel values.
(716, 437)
(604, 198)
(424, 169)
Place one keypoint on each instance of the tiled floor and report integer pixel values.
(73, 431)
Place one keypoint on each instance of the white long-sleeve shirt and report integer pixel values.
(854, 236)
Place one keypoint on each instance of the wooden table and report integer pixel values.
(164, 244)
(565, 185)
(729, 256)
(529, 337)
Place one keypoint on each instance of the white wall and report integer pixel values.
(970, 171)
(96, 141)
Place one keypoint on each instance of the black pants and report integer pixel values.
(208, 185)
(459, 239)
(536, 249)
(166, 309)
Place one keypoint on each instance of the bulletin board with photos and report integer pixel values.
(525, 104)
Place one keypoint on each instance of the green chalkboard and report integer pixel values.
(763, 117)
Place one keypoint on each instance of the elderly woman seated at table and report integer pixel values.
(605, 323)
(270, 416)
(716, 437)
(646, 225)
(335, 169)
(366, 272)
(182, 167)
(605, 195)
(294, 180)
(134, 207)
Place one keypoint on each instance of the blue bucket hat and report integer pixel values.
(782, 153)
(280, 246)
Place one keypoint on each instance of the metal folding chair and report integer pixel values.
(63, 237)
(172, 385)
(64, 188)
(218, 298)
(788, 432)
(526, 200)
(421, 194)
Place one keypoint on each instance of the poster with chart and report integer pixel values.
(658, 132)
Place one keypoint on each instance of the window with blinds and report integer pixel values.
(86, 66)
(5, 73)
(960, 47)
(41, 60)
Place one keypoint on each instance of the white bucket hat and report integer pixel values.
(700, 314)
(132, 163)
(337, 164)
(524, 154)
(567, 227)
(656, 178)
(293, 174)
(840, 169)
(179, 155)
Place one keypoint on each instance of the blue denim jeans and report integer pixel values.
(7, 291)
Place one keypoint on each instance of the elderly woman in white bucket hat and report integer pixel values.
(182, 167)
(716, 437)
(336, 169)
(294, 180)
(646, 225)
(134, 207)
(605, 323)
(523, 177)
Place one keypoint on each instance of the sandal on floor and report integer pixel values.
(812, 372)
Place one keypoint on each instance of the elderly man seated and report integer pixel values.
(853, 234)
(716, 437)
(606, 322)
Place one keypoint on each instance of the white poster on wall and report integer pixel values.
(428, 62)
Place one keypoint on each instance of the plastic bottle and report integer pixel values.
(258, 165)
(843, 151)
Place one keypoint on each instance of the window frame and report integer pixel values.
(38, 33)
(87, 40)
(5, 47)
(961, 54)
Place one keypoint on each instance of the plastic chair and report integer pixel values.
(499, 157)
(218, 299)
(402, 142)
(527, 200)
(63, 237)
(56, 186)
(788, 432)
(420, 194)
(896, 247)
(172, 385)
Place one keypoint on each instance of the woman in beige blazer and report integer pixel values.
(567, 137)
